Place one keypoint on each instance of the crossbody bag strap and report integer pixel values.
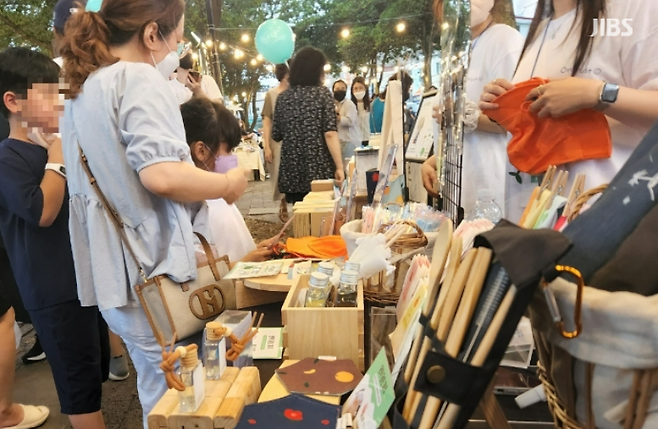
(114, 216)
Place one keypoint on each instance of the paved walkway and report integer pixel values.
(121, 408)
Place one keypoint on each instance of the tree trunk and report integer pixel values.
(428, 52)
(503, 12)
(254, 95)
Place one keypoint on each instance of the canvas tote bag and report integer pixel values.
(177, 309)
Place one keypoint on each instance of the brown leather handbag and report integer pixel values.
(177, 309)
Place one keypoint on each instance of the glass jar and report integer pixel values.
(214, 352)
(346, 296)
(317, 290)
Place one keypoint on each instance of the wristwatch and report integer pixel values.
(57, 168)
(608, 95)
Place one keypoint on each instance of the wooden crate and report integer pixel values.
(221, 408)
(313, 332)
(309, 215)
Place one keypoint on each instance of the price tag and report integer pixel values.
(199, 379)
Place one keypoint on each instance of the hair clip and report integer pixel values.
(94, 6)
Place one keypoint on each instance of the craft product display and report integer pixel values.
(422, 215)
(320, 376)
(291, 412)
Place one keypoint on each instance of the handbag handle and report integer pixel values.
(212, 262)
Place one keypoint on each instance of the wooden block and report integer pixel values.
(312, 332)
(157, 418)
(244, 391)
(276, 390)
(203, 418)
(322, 185)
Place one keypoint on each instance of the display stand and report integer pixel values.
(493, 413)
(420, 144)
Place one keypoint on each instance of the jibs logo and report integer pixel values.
(612, 27)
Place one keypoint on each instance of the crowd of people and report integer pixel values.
(159, 143)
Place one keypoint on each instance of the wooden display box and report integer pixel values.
(310, 213)
(221, 408)
(328, 331)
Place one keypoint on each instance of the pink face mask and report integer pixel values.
(224, 163)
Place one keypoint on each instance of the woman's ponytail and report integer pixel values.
(85, 48)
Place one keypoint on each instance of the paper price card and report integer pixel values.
(370, 401)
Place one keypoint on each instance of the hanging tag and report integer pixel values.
(199, 379)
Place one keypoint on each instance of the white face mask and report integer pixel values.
(480, 11)
(359, 95)
(169, 64)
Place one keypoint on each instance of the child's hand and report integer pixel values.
(41, 139)
(269, 243)
(259, 255)
(55, 154)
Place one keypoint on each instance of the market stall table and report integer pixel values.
(249, 157)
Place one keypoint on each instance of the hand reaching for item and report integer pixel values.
(340, 177)
(261, 254)
(430, 178)
(237, 184)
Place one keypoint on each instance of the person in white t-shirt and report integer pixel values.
(495, 50)
(361, 98)
(212, 132)
(188, 83)
(349, 132)
(616, 72)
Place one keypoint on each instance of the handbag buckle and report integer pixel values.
(553, 307)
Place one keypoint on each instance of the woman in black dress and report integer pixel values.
(305, 123)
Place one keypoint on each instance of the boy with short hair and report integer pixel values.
(34, 224)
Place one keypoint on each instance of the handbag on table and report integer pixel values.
(176, 310)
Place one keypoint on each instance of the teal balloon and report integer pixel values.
(275, 41)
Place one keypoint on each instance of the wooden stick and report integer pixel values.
(439, 256)
(452, 412)
(447, 313)
(422, 345)
(461, 323)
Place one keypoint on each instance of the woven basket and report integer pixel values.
(555, 406)
(374, 289)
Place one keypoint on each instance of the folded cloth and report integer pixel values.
(329, 247)
(538, 143)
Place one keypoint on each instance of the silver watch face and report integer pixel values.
(610, 92)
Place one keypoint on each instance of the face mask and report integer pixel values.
(480, 11)
(359, 95)
(225, 163)
(169, 64)
(340, 95)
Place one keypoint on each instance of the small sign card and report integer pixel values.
(249, 270)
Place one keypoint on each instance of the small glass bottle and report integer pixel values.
(189, 402)
(347, 289)
(352, 266)
(317, 290)
(486, 208)
(214, 352)
(326, 268)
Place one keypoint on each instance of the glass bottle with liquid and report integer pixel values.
(214, 352)
(352, 266)
(191, 375)
(326, 268)
(346, 296)
(317, 290)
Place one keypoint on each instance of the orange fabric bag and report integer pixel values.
(538, 143)
(329, 247)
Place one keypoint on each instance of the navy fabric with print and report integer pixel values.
(291, 412)
(599, 231)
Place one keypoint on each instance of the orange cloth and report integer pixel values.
(329, 247)
(538, 143)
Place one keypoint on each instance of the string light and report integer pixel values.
(345, 33)
(245, 38)
(379, 69)
(209, 43)
(253, 62)
(327, 68)
(195, 56)
(222, 46)
(401, 27)
(345, 69)
(269, 68)
(364, 69)
(244, 94)
(259, 57)
(238, 54)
